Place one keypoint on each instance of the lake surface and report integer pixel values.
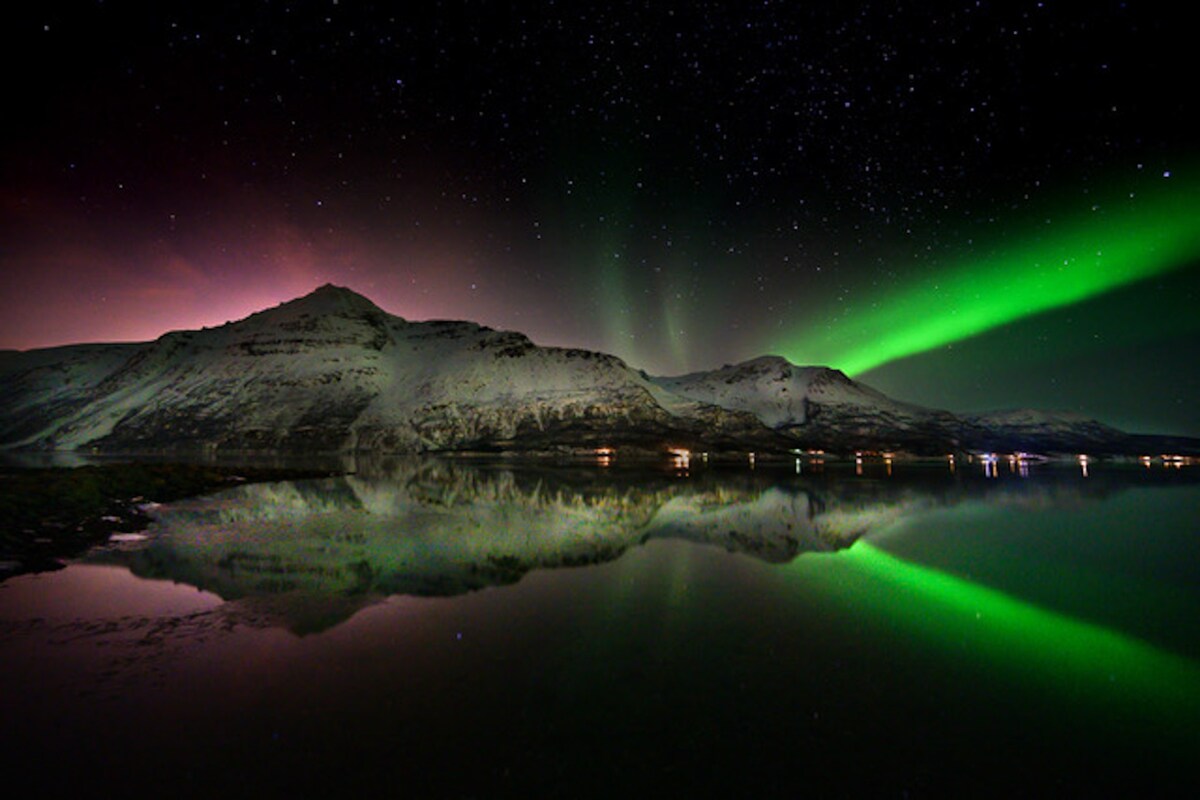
(439, 628)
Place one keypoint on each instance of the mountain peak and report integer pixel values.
(329, 287)
(767, 362)
(330, 291)
(332, 299)
(326, 302)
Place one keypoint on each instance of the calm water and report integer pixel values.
(432, 628)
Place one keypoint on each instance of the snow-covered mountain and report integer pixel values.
(820, 407)
(331, 371)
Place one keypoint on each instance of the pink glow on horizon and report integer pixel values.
(85, 283)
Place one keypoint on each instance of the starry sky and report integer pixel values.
(972, 205)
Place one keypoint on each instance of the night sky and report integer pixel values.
(971, 205)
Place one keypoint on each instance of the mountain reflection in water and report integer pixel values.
(744, 632)
(310, 553)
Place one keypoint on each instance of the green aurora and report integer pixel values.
(1118, 241)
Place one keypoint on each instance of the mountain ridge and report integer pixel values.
(330, 371)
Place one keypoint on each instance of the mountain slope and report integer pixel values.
(42, 386)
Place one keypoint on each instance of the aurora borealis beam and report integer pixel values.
(1118, 241)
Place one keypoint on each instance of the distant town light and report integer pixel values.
(681, 457)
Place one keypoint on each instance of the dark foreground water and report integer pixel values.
(427, 628)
